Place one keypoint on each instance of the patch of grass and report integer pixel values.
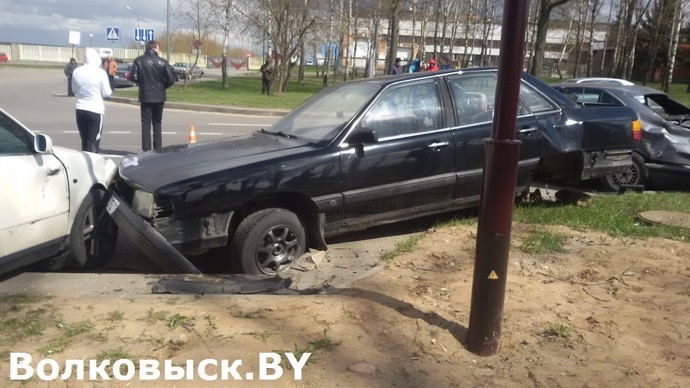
(544, 241)
(176, 320)
(155, 316)
(17, 302)
(612, 214)
(558, 330)
(21, 323)
(253, 314)
(116, 354)
(56, 345)
(72, 329)
(406, 246)
(262, 335)
(115, 315)
(244, 91)
(65, 338)
(323, 343)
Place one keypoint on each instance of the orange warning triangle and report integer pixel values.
(493, 275)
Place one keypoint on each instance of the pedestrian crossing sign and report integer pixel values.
(112, 33)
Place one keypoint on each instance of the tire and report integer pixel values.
(94, 233)
(267, 242)
(635, 175)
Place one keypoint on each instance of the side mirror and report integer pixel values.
(362, 136)
(43, 144)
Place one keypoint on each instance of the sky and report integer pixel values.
(49, 22)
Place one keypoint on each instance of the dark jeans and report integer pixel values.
(151, 117)
(265, 86)
(90, 125)
(70, 93)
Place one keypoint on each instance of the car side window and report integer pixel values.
(535, 102)
(473, 97)
(13, 139)
(591, 96)
(405, 109)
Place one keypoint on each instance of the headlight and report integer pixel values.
(143, 204)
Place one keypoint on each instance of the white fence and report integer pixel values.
(62, 54)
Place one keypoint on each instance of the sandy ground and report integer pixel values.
(609, 312)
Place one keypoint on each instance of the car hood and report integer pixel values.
(154, 170)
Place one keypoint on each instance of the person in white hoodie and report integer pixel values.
(90, 84)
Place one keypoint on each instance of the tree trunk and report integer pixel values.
(543, 15)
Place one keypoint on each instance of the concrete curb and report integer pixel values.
(207, 108)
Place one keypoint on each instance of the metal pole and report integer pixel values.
(167, 31)
(498, 190)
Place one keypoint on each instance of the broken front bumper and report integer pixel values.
(147, 239)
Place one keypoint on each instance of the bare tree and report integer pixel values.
(284, 23)
(673, 44)
(222, 11)
(542, 27)
(197, 15)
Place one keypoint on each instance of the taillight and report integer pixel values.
(636, 130)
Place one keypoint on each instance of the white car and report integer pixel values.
(53, 202)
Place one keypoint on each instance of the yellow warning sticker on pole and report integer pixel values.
(493, 275)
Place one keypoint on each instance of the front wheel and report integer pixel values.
(94, 234)
(635, 175)
(267, 242)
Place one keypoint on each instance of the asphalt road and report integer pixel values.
(38, 98)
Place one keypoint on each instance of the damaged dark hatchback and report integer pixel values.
(662, 158)
(356, 155)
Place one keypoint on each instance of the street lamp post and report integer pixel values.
(167, 31)
(138, 23)
(135, 14)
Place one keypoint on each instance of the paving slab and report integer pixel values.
(315, 272)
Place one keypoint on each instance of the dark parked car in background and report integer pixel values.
(662, 158)
(356, 155)
(123, 76)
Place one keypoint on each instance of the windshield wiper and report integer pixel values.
(279, 133)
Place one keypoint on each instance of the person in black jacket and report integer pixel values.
(153, 75)
(69, 69)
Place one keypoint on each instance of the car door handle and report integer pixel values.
(54, 171)
(439, 145)
(525, 131)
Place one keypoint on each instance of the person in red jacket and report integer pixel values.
(433, 66)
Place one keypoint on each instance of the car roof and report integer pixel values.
(630, 89)
(386, 80)
(599, 80)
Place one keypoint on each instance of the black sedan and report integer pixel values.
(662, 158)
(356, 155)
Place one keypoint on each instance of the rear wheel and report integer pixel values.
(94, 234)
(635, 175)
(267, 242)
